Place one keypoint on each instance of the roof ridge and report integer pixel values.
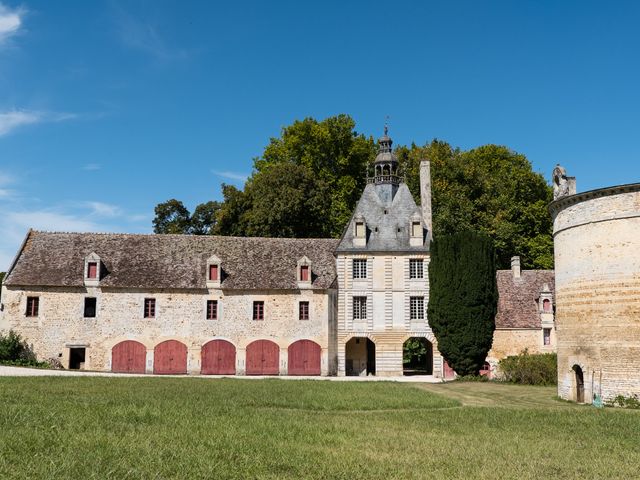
(180, 235)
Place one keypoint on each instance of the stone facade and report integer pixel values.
(597, 260)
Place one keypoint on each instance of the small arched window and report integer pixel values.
(546, 305)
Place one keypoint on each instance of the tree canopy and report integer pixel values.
(308, 180)
(463, 299)
(491, 190)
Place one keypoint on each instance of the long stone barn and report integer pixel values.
(175, 304)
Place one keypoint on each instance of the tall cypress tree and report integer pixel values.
(463, 299)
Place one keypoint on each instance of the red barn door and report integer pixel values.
(128, 357)
(170, 358)
(263, 358)
(218, 358)
(304, 358)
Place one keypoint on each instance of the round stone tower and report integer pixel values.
(597, 274)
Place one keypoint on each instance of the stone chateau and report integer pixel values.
(176, 304)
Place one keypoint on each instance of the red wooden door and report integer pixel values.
(169, 358)
(218, 358)
(304, 358)
(128, 357)
(263, 358)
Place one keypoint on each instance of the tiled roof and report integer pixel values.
(171, 261)
(518, 297)
(387, 232)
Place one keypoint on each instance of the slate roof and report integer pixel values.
(171, 261)
(517, 303)
(392, 228)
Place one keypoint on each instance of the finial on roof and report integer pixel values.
(386, 125)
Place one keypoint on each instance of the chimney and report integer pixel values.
(425, 196)
(515, 266)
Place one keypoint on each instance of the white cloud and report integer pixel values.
(241, 177)
(104, 209)
(10, 22)
(91, 167)
(14, 119)
(144, 36)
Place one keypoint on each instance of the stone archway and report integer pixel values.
(417, 356)
(360, 357)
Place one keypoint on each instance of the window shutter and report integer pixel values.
(92, 270)
(304, 273)
(213, 272)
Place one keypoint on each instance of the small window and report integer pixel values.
(416, 308)
(92, 270)
(149, 308)
(359, 229)
(32, 306)
(258, 310)
(359, 268)
(213, 273)
(416, 268)
(546, 333)
(212, 309)
(546, 305)
(304, 273)
(90, 304)
(416, 229)
(359, 308)
(304, 311)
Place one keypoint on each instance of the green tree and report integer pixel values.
(491, 190)
(334, 153)
(205, 218)
(463, 298)
(171, 217)
(232, 212)
(288, 200)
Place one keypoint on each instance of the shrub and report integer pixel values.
(13, 349)
(472, 378)
(530, 369)
(632, 402)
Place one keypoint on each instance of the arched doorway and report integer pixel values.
(417, 357)
(263, 358)
(304, 358)
(360, 357)
(579, 381)
(218, 358)
(170, 358)
(128, 357)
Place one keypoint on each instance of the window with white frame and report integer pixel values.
(359, 308)
(546, 335)
(416, 308)
(416, 268)
(359, 268)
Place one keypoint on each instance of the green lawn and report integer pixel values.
(63, 427)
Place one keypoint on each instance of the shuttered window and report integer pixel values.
(92, 270)
(359, 308)
(416, 308)
(547, 336)
(304, 311)
(32, 306)
(258, 310)
(304, 273)
(213, 273)
(149, 308)
(212, 309)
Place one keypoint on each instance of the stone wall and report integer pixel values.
(597, 268)
(180, 315)
(514, 341)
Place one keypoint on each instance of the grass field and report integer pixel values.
(159, 428)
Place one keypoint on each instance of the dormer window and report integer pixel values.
(92, 270)
(416, 229)
(304, 272)
(214, 272)
(360, 229)
(359, 232)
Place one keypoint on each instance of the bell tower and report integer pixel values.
(386, 178)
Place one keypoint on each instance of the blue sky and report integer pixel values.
(108, 108)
